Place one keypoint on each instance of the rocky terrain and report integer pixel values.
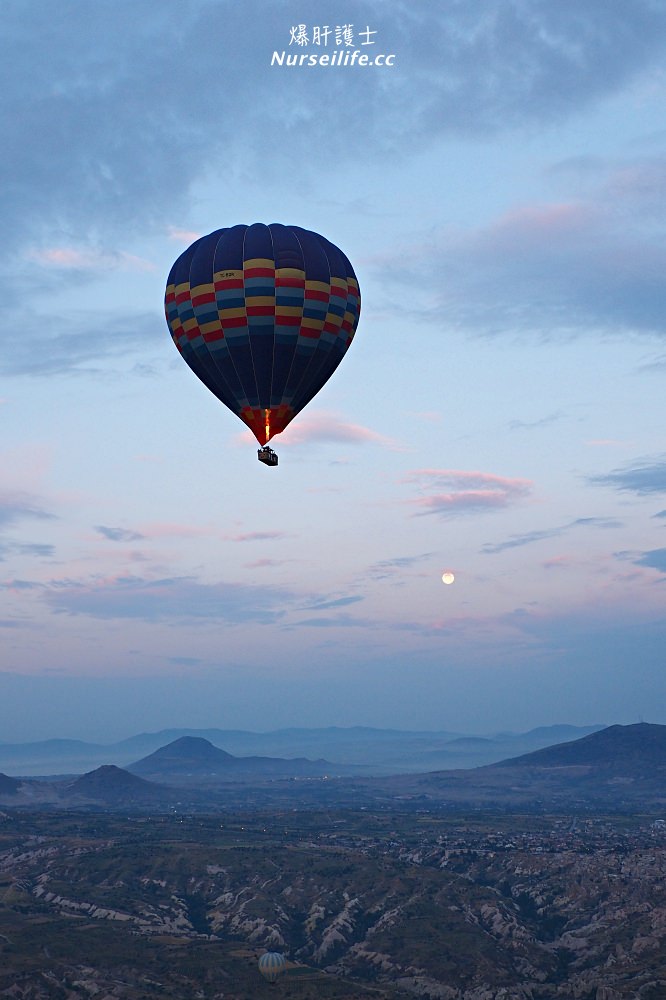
(513, 908)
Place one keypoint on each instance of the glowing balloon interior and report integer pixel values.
(263, 315)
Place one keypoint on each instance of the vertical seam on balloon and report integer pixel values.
(292, 230)
(270, 391)
(205, 376)
(243, 401)
(307, 368)
(229, 352)
(249, 333)
(312, 366)
(211, 357)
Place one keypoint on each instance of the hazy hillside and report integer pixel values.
(376, 751)
(191, 757)
(625, 749)
(113, 786)
(8, 786)
(619, 769)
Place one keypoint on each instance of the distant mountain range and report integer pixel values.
(625, 750)
(620, 768)
(112, 786)
(374, 751)
(8, 786)
(192, 757)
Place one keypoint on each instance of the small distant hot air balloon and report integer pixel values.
(271, 965)
(263, 315)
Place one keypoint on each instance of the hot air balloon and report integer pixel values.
(263, 315)
(271, 965)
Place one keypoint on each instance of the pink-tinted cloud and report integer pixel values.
(258, 536)
(86, 259)
(323, 428)
(183, 235)
(570, 266)
(526, 225)
(454, 491)
(265, 563)
(558, 562)
(169, 529)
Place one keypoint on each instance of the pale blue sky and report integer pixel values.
(500, 193)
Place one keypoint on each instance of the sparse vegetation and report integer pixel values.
(363, 904)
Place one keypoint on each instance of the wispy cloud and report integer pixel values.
(178, 600)
(156, 530)
(174, 529)
(657, 365)
(16, 586)
(118, 534)
(259, 536)
(89, 259)
(339, 602)
(557, 562)
(186, 236)
(530, 425)
(529, 537)
(655, 559)
(79, 343)
(459, 70)
(386, 568)
(18, 506)
(642, 477)
(324, 428)
(341, 620)
(606, 443)
(37, 549)
(449, 492)
(588, 263)
(265, 563)
(174, 600)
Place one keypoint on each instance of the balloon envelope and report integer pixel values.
(263, 315)
(271, 965)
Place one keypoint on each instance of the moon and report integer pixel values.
(448, 577)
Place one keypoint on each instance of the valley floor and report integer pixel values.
(363, 904)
